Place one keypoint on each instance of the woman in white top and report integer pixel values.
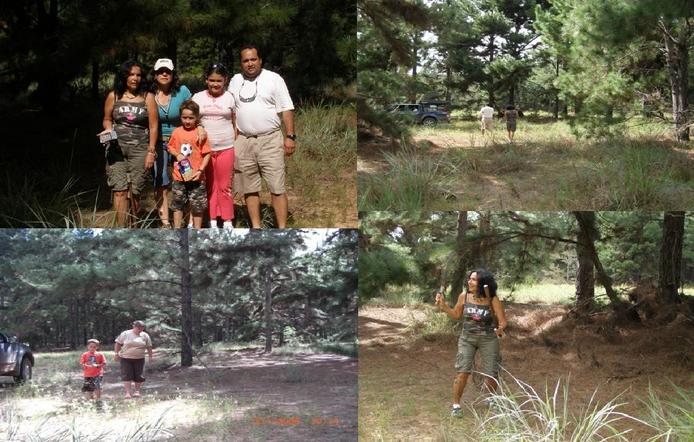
(219, 120)
(130, 349)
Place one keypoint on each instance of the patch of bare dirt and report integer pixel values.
(542, 345)
(297, 397)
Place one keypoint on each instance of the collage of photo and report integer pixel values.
(369, 220)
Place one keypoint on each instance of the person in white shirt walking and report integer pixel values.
(261, 96)
(486, 118)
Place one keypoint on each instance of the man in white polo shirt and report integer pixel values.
(487, 118)
(261, 96)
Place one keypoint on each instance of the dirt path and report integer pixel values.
(405, 379)
(241, 395)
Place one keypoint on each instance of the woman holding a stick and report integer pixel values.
(478, 305)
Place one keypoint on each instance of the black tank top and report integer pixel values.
(477, 318)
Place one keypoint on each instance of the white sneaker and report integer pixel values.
(228, 225)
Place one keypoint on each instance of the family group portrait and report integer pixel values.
(178, 335)
(197, 114)
(525, 105)
(528, 326)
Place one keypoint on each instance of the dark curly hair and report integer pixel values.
(121, 79)
(484, 277)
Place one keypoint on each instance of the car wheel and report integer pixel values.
(429, 121)
(24, 372)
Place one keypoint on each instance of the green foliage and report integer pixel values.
(406, 256)
(94, 283)
(381, 267)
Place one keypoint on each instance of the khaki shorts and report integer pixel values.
(488, 346)
(259, 157)
(487, 123)
(125, 168)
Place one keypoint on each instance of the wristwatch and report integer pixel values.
(291, 137)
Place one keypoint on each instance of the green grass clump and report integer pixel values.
(412, 181)
(519, 412)
(400, 295)
(673, 418)
(546, 168)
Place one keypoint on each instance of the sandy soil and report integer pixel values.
(405, 381)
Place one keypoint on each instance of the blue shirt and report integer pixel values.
(170, 115)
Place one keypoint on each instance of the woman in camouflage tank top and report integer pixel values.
(477, 306)
(131, 112)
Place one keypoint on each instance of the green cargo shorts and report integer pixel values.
(125, 169)
(488, 346)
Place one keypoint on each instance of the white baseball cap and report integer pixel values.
(164, 63)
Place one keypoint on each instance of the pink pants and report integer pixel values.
(219, 175)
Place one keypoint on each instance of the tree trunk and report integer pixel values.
(483, 249)
(268, 313)
(95, 80)
(449, 82)
(586, 223)
(461, 254)
(671, 257)
(186, 301)
(490, 80)
(677, 57)
(556, 94)
(585, 275)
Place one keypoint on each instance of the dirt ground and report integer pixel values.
(249, 394)
(341, 213)
(405, 381)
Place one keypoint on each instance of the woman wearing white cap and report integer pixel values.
(169, 95)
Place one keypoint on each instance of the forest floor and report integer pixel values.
(406, 374)
(242, 395)
(546, 168)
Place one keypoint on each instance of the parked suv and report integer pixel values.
(425, 113)
(16, 359)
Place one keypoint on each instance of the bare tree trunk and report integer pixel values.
(556, 95)
(677, 57)
(461, 256)
(586, 223)
(585, 275)
(95, 80)
(268, 313)
(671, 257)
(449, 81)
(186, 301)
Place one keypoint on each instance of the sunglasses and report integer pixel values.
(248, 99)
(164, 71)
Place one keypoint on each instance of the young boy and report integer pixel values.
(93, 364)
(189, 170)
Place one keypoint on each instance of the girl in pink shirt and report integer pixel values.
(218, 119)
